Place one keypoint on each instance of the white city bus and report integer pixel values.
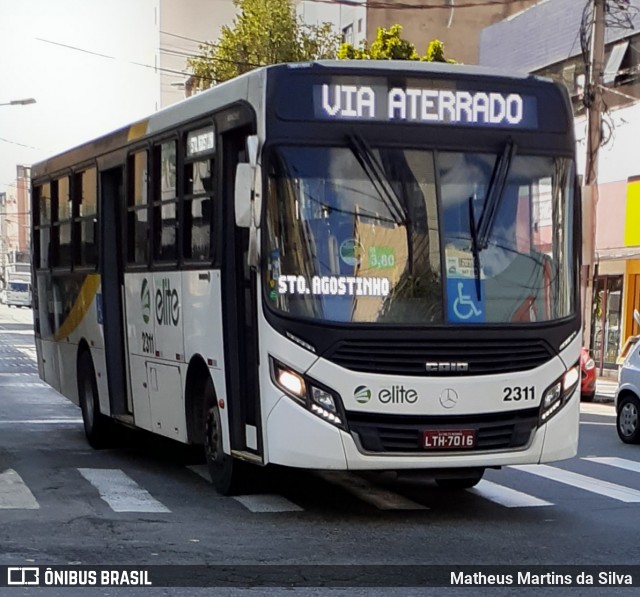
(335, 265)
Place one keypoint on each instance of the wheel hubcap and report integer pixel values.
(88, 401)
(214, 438)
(628, 419)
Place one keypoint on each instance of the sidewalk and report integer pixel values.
(606, 389)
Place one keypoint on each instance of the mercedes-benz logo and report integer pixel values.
(448, 398)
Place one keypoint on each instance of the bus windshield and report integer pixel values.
(18, 287)
(357, 234)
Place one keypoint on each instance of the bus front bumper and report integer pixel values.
(298, 438)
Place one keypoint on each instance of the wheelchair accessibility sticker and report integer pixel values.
(464, 306)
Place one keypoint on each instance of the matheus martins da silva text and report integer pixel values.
(547, 579)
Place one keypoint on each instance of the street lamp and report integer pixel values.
(20, 102)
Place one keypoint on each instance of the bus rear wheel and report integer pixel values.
(228, 474)
(96, 426)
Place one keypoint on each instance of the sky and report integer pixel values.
(87, 63)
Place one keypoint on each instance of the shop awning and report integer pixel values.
(618, 253)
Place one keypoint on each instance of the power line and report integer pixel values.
(20, 144)
(85, 51)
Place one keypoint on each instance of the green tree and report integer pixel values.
(264, 32)
(389, 45)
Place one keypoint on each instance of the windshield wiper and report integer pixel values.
(480, 232)
(374, 170)
(475, 249)
(494, 194)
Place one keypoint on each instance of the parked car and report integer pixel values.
(628, 393)
(587, 375)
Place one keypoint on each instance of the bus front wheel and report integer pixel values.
(96, 425)
(228, 474)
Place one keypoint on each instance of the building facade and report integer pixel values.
(183, 26)
(548, 39)
(456, 23)
(15, 222)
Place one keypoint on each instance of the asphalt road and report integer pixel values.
(147, 501)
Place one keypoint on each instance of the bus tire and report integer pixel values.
(96, 426)
(228, 474)
(465, 482)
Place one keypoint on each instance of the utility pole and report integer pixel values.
(590, 187)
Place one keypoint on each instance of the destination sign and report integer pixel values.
(426, 105)
(200, 141)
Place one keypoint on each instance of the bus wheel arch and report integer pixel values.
(205, 426)
(97, 426)
(229, 475)
(195, 407)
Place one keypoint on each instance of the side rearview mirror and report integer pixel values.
(252, 145)
(242, 196)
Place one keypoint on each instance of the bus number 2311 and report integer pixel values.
(148, 344)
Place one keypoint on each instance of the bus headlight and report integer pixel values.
(318, 399)
(291, 382)
(558, 394)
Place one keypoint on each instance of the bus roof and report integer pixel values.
(229, 92)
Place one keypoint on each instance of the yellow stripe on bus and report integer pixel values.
(80, 307)
(137, 130)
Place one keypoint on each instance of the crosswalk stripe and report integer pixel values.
(67, 421)
(121, 492)
(253, 503)
(623, 463)
(14, 494)
(617, 492)
(381, 498)
(267, 503)
(506, 496)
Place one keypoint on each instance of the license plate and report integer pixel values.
(450, 439)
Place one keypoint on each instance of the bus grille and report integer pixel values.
(403, 433)
(407, 357)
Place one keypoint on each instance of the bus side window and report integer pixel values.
(137, 209)
(86, 218)
(165, 206)
(199, 196)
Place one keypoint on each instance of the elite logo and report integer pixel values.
(167, 302)
(393, 395)
(145, 300)
(362, 394)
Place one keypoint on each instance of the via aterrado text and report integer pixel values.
(548, 579)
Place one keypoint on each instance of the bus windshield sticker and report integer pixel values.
(460, 263)
(463, 303)
(382, 257)
(334, 285)
(427, 105)
(351, 251)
